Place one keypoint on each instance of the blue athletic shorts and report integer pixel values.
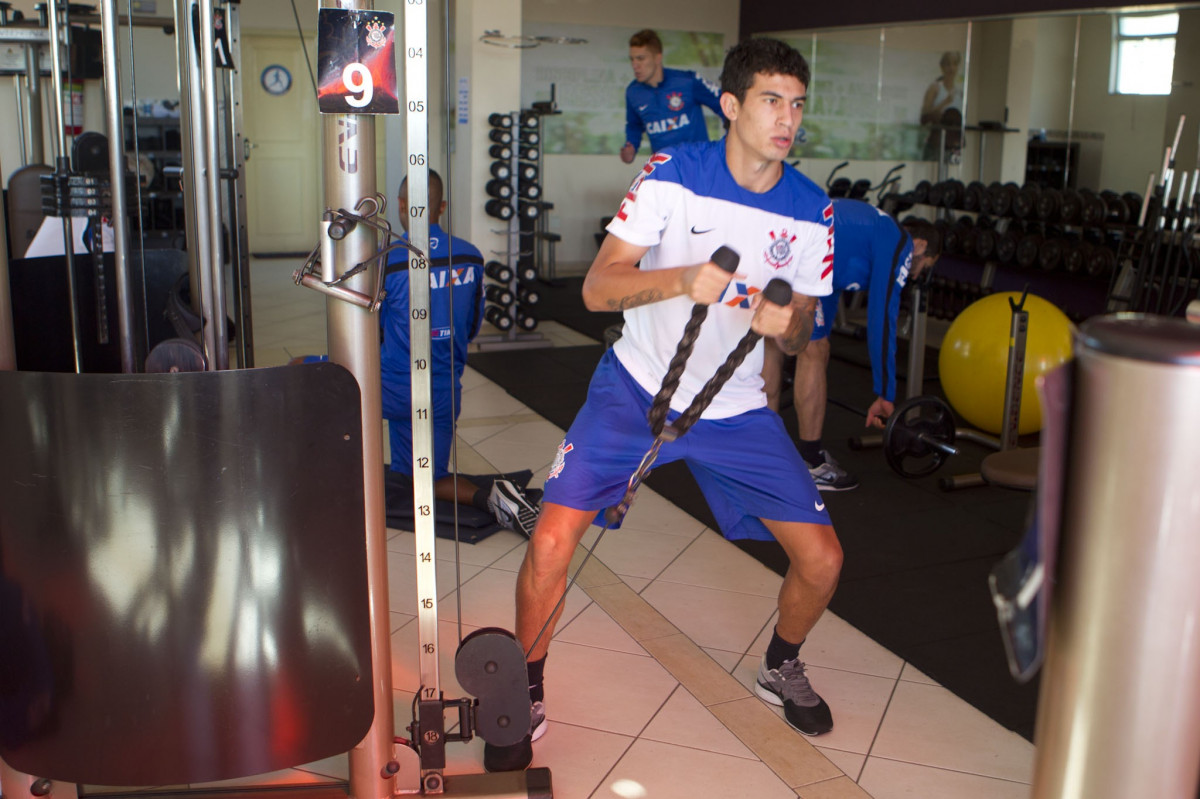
(747, 466)
(397, 409)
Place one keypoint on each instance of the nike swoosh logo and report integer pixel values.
(702, 232)
(643, 107)
(820, 505)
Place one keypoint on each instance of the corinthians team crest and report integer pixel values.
(376, 34)
(779, 252)
(675, 101)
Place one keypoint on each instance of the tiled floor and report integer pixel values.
(675, 607)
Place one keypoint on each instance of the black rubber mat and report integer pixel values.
(916, 557)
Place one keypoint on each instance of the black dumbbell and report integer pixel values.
(528, 190)
(526, 271)
(1050, 253)
(501, 170)
(1025, 203)
(498, 294)
(1028, 248)
(529, 295)
(920, 192)
(1093, 210)
(1076, 257)
(527, 171)
(500, 135)
(498, 271)
(972, 195)
(952, 193)
(528, 153)
(498, 317)
(1071, 210)
(985, 243)
(500, 189)
(530, 137)
(500, 120)
(529, 210)
(501, 152)
(1000, 199)
(499, 209)
(526, 321)
(1101, 262)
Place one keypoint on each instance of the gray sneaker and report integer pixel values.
(829, 476)
(512, 508)
(788, 687)
(537, 720)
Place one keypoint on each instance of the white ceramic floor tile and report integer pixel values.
(489, 600)
(473, 434)
(711, 618)
(650, 511)
(582, 688)
(490, 401)
(402, 580)
(726, 660)
(851, 763)
(530, 445)
(651, 768)
(889, 779)
(685, 722)
(482, 553)
(857, 701)
(638, 584)
(835, 644)
(928, 725)
(638, 553)
(578, 757)
(595, 628)
(713, 562)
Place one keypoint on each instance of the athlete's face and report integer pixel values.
(920, 261)
(647, 65)
(766, 122)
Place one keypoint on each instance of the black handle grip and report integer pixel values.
(726, 258)
(778, 291)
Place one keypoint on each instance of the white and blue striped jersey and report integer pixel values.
(683, 206)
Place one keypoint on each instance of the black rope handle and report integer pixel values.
(727, 259)
(778, 291)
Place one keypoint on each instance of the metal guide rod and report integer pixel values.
(8, 353)
(62, 163)
(195, 188)
(33, 91)
(416, 90)
(1071, 105)
(128, 333)
(17, 90)
(215, 266)
(348, 156)
(236, 191)
(184, 76)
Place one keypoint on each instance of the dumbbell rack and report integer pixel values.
(514, 193)
(1073, 235)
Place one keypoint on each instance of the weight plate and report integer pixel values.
(916, 435)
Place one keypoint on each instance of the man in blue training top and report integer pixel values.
(663, 103)
(456, 312)
(872, 253)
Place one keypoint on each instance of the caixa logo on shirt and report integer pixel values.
(438, 278)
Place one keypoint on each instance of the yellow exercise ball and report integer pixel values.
(973, 363)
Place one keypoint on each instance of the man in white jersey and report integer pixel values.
(688, 201)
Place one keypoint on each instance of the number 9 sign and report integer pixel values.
(356, 62)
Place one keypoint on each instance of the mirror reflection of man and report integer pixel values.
(665, 104)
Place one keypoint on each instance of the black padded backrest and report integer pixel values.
(183, 582)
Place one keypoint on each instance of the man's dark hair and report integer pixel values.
(436, 189)
(648, 39)
(920, 229)
(760, 57)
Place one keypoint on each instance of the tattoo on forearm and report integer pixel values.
(800, 331)
(634, 300)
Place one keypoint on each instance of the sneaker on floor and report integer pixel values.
(537, 720)
(829, 476)
(511, 508)
(789, 687)
(518, 756)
